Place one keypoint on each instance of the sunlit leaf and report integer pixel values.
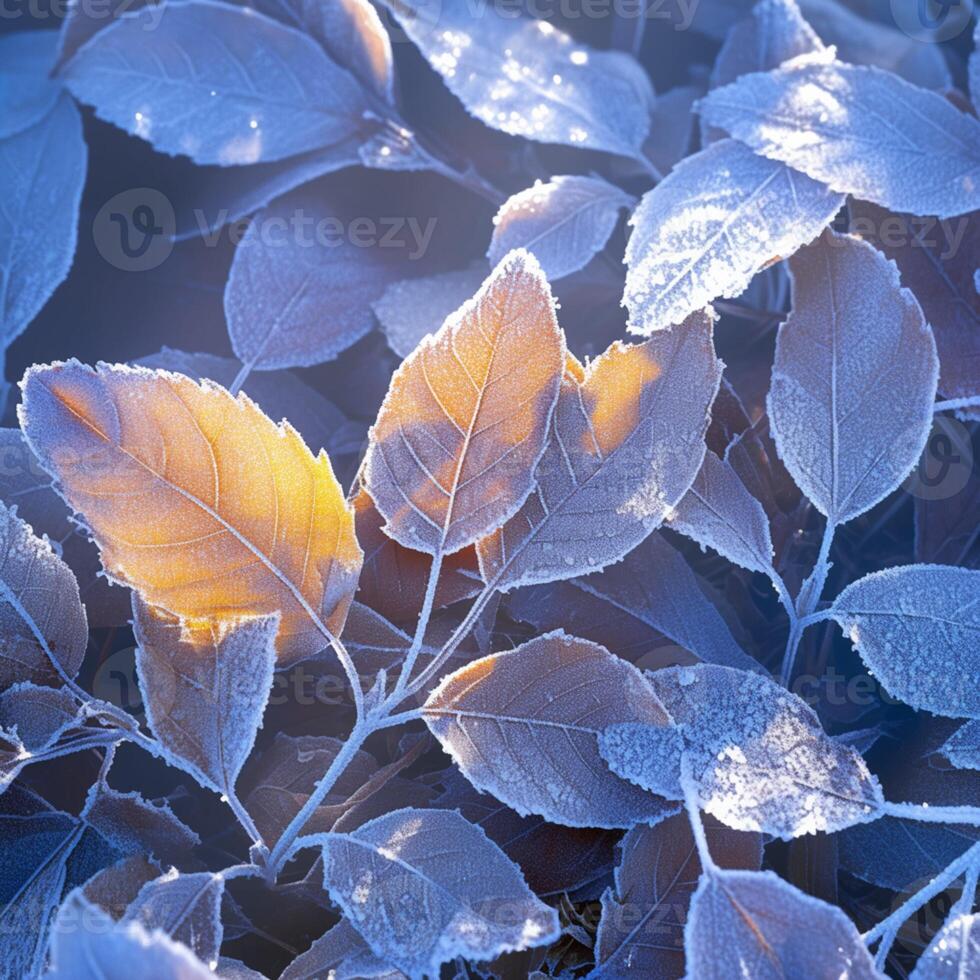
(295, 297)
(186, 907)
(563, 223)
(215, 82)
(821, 116)
(720, 217)
(641, 932)
(196, 498)
(205, 689)
(28, 92)
(524, 725)
(854, 339)
(626, 442)
(720, 513)
(42, 620)
(412, 308)
(465, 420)
(527, 78)
(758, 754)
(424, 886)
(754, 924)
(39, 220)
(85, 945)
(916, 628)
(937, 261)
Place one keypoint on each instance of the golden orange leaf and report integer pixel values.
(453, 451)
(196, 498)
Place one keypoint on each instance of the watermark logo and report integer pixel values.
(134, 230)
(932, 20)
(946, 463)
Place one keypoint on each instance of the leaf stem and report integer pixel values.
(955, 404)
(926, 813)
(689, 787)
(241, 377)
(420, 628)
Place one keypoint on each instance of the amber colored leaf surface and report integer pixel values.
(393, 578)
(196, 498)
(464, 422)
(626, 441)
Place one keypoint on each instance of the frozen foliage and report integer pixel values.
(401, 881)
(854, 339)
(26, 59)
(820, 116)
(954, 952)
(759, 757)
(720, 217)
(563, 223)
(963, 747)
(916, 628)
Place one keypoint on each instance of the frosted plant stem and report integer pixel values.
(969, 859)
(694, 815)
(954, 404)
(241, 378)
(421, 626)
(926, 813)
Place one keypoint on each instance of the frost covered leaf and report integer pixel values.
(39, 220)
(641, 932)
(38, 715)
(754, 924)
(86, 945)
(217, 83)
(134, 826)
(453, 449)
(720, 217)
(758, 754)
(563, 223)
(626, 441)
(975, 68)
(937, 261)
(341, 954)
(917, 628)
(523, 726)
(293, 298)
(187, 907)
(394, 577)
(653, 591)
(821, 117)
(28, 92)
(962, 748)
(425, 886)
(412, 308)
(718, 512)
(953, 953)
(196, 498)
(115, 888)
(205, 689)
(774, 32)
(42, 620)
(529, 79)
(853, 380)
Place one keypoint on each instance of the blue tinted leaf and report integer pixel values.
(339, 950)
(295, 297)
(754, 924)
(42, 619)
(38, 715)
(187, 907)
(217, 83)
(672, 122)
(641, 932)
(853, 380)
(523, 726)
(720, 513)
(424, 886)
(45, 168)
(205, 690)
(529, 79)
(115, 888)
(848, 126)
(975, 68)
(962, 748)
(954, 952)
(916, 628)
(86, 945)
(759, 756)
(26, 91)
(135, 826)
(412, 308)
(563, 222)
(721, 216)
